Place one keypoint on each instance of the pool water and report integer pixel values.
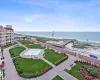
(32, 52)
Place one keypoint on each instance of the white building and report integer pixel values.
(6, 35)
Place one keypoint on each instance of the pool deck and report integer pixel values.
(39, 56)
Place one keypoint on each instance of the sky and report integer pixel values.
(51, 15)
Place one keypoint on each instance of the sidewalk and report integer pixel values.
(48, 62)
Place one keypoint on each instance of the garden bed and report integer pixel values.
(75, 70)
(29, 68)
(89, 72)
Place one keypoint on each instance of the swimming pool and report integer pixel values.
(32, 52)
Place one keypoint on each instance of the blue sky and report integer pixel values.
(49, 15)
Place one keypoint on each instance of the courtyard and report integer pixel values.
(30, 67)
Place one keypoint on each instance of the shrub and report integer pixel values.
(18, 69)
(89, 70)
(61, 60)
(50, 67)
(30, 75)
(94, 73)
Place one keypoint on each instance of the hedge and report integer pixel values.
(31, 75)
(28, 75)
(61, 60)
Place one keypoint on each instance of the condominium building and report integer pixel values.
(6, 35)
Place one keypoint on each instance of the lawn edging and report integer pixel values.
(61, 60)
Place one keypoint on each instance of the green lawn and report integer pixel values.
(53, 56)
(74, 71)
(34, 46)
(16, 51)
(24, 42)
(57, 78)
(30, 66)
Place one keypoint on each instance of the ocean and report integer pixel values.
(90, 36)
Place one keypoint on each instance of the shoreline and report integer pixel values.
(90, 41)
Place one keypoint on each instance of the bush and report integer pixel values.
(94, 73)
(50, 67)
(89, 70)
(30, 75)
(18, 69)
(61, 60)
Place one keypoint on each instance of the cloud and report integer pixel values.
(49, 15)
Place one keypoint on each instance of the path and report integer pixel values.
(48, 62)
(66, 76)
(10, 71)
(21, 45)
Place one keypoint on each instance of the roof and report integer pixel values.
(8, 28)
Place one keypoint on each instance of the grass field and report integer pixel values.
(34, 46)
(24, 42)
(30, 66)
(57, 78)
(16, 51)
(53, 56)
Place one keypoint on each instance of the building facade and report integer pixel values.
(6, 35)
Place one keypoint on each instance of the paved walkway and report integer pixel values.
(66, 76)
(11, 73)
(21, 45)
(48, 62)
